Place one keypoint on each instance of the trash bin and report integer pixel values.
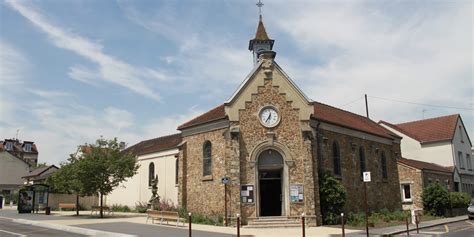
(47, 210)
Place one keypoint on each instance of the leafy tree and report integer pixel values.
(333, 197)
(435, 199)
(65, 180)
(103, 167)
(459, 200)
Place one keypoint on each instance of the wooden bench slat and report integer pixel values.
(164, 216)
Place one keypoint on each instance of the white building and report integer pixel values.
(12, 168)
(443, 141)
(155, 157)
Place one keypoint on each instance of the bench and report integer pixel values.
(96, 209)
(67, 205)
(164, 216)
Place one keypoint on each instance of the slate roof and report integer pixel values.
(322, 112)
(36, 173)
(424, 165)
(155, 145)
(428, 130)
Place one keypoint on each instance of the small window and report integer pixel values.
(336, 158)
(362, 161)
(176, 171)
(460, 160)
(9, 146)
(27, 147)
(384, 165)
(207, 158)
(468, 161)
(406, 193)
(151, 173)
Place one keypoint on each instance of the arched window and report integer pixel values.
(336, 157)
(383, 160)
(207, 158)
(362, 161)
(151, 173)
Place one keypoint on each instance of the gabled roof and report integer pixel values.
(347, 119)
(155, 145)
(428, 130)
(39, 171)
(322, 112)
(212, 115)
(424, 165)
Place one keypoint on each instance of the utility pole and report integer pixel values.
(366, 106)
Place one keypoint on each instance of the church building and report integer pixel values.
(269, 142)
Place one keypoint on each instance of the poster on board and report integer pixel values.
(246, 194)
(25, 202)
(296, 193)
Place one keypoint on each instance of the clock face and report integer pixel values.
(269, 117)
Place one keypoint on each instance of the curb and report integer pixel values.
(424, 227)
(72, 229)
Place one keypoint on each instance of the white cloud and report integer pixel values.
(118, 118)
(421, 55)
(108, 68)
(49, 94)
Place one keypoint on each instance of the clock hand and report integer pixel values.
(268, 118)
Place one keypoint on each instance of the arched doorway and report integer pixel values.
(270, 182)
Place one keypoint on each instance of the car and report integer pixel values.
(470, 210)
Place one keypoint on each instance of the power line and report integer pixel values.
(352, 101)
(415, 103)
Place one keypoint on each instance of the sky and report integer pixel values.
(72, 71)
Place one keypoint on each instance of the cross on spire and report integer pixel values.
(259, 5)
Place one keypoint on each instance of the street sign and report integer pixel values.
(366, 176)
(225, 180)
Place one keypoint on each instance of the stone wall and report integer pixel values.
(382, 193)
(412, 176)
(445, 179)
(204, 194)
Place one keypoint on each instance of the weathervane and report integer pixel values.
(259, 5)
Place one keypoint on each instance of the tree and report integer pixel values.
(65, 180)
(435, 199)
(333, 197)
(103, 167)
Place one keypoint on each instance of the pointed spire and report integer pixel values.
(261, 32)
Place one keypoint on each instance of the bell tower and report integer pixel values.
(261, 43)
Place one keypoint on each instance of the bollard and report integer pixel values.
(238, 225)
(190, 220)
(302, 224)
(408, 229)
(342, 218)
(417, 221)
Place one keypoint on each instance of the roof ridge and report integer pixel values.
(428, 119)
(174, 134)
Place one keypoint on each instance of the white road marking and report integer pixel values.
(13, 233)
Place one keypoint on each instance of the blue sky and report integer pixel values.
(73, 70)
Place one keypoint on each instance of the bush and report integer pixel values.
(435, 199)
(356, 219)
(141, 207)
(459, 200)
(382, 216)
(120, 208)
(197, 218)
(333, 198)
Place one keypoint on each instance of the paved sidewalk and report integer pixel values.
(393, 230)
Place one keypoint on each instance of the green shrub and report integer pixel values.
(356, 219)
(120, 208)
(333, 197)
(141, 207)
(435, 199)
(459, 200)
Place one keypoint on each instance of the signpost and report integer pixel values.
(366, 176)
(225, 181)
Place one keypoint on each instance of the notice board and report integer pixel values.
(247, 193)
(296, 193)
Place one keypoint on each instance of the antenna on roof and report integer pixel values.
(17, 131)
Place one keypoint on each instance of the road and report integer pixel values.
(456, 229)
(8, 228)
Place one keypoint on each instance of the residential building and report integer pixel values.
(39, 175)
(25, 150)
(12, 168)
(441, 140)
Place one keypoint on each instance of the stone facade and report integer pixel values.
(379, 188)
(418, 179)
